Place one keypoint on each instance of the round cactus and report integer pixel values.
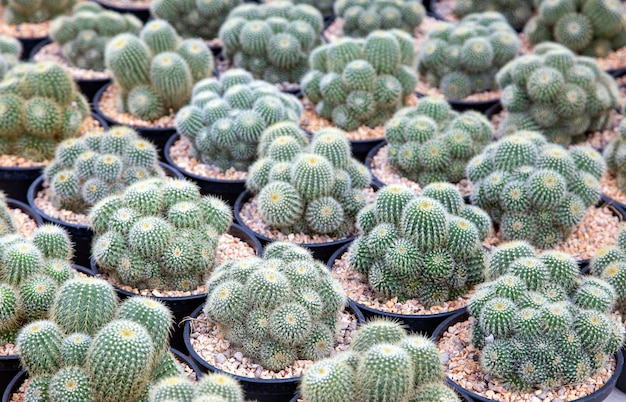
(363, 17)
(516, 14)
(18, 12)
(10, 52)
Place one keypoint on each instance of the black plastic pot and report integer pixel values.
(28, 44)
(321, 251)
(597, 396)
(462, 106)
(361, 148)
(261, 390)
(142, 13)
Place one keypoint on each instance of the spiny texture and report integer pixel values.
(615, 156)
(516, 13)
(39, 106)
(556, 92)
(384, 364)
(272, 40)
(10, 52)
(325, 6)
(97, 165)
(216, 387)
(462, 59)
(27, 11)
(315, 188)
(430, 143)
(227, 116)
(424, 247)
(83, 35)
(609, 263)
(356, 82)
(159, 234)
(278, 309)
(361, 17)
(549, 325)
(157, 70)
(591, 27)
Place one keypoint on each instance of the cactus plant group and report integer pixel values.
(362, 17)
(517, 13)
(216, 387)
(614, 155)
(10, 52)
(609, 263)
(227, 116)
(27, 11)
(278, 309)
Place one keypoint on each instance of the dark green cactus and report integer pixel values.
(363, 17)
(516, 14)
(25, 11)
(614, 155)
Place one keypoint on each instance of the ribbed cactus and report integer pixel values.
(362, 17)
(549, 325)
(462, 59)
(26, 11)
(556, 92)
(278, 309)
(83, 35)
(430, 143)
(609, 263)
(325, 6)
(516, 13)
(39, 106)
(97, 165)
(157, 70)
(614, 155)
(211, 387)
(10, 52)
(226, 117)
(425, 247)
(535, 191)
(355, 82)
(272, 40)
(159, 234)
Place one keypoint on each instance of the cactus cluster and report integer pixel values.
(590, 27)
(39, 106)
(546, 325)
(272, 40)
(159, 234)
(556, 92)
(385, 364)
(10, 52)
(227, 116)
(325, 6)
(156, 71)
(536, 191)
(212, 387)
(314, 189)
(99, 164)
(462, 59)
(362, 17)
(516, 13)
(609, 263)
(83, 36)
(28, 11)
(278, 309)
(196, 18)
(356, 82)
(424, 247)
(615, 156)
(429, 143)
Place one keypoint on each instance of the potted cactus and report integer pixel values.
(516, 14)
(219, 132)
(10, 52)
(211, 387)
(614, 182)
(324, 6)
(139, 8)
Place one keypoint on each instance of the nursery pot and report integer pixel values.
(321, 251)
(143, 13)
(597, 396)
(28, 44)
(361, 148)
(370, 159)
(262, 390)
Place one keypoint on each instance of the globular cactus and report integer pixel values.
(272, 40)
(157, 70)
(516, 13)
(158, 234)
(26, 11)
(39, 106)
(362, 17)
(609, 263)
(325, 6)
(535, 191)
(361, 82)
(614, 156)
(278, 309)
(316, 188)
(383, 364)
(227, 116)
(83, 35)
(424, 247)
(7, 222)
(430, 143)
(97, 165)
(211, 387)
(549, 325)
(591, 28)
(10, 52)
(462, 59)
(556, 92)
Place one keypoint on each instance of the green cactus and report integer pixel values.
(363, 17)
(516, 15)
(70, 384)
(18, 12)
(10, 52)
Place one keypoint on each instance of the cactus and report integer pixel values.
(211, 387)
(23, 11)
(609, 264)
(271, 40)
(99, 164)
(157, 70)
(10, 52)
(542, 318)
(556, 92)
(363, 17)
(226, 118)
(361, 82)
(39, 106)
(536, 191)
(516, 14)
(462, 59)
(286, 302)
(613, 155)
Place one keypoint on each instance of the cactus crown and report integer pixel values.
(356, 82)
(516, 14)
(609, 263)
(535, 190)
(325, 6)
(226, 117)
(157, 70)
(25, 11)
(211, 387)
(550, 326)
(363, 17)
(159, 234)
(272, 40)
(10, 52)
(557, 92)
(615, 156)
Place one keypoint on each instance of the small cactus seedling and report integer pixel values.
(516, 13)
(26, 11)
(212, 387)
(362, 17)
(609, 263)
(615, 157)
(10, 52)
